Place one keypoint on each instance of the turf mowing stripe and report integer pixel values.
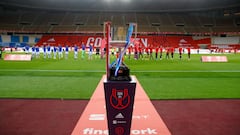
(134, 71)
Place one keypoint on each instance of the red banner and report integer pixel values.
(144, 41)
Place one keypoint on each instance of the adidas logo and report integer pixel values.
(119, 116)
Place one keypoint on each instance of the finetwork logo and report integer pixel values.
(92, 131)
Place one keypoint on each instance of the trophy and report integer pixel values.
(118, 70)
(119, 86)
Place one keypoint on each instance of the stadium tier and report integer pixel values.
(80, 22)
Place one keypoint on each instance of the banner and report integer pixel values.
(214, 59)
(18, 57)
(144, 41)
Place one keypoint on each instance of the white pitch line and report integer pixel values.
(187, 71)
(133, 71)
(40, 70)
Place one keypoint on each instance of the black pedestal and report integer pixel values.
(119, 97)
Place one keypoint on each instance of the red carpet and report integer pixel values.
(146, 120)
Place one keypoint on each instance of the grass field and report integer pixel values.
(161, 79)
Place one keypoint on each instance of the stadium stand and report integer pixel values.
(46, 22)
(80, 19)
(165, 20)
(142, 19)
(106, 17)
(206, 21)
(92, 19)
(178, 19)
(36, 28)
(63, 28)
(147, 29)
(131, 17)
(92, 29)
(173, 29)
(118, 19)
(10, 28)
(9, 18)
(203, 23)
(68, 19)
(191, 21)
(154, 19)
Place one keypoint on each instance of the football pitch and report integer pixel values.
(161, 79)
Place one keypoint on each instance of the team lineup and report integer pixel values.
(133, 52)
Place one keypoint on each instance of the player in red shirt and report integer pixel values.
(140, 56)
(180, 49)
(161, 50)
(147, 52)
(189, 52)
(172, 51)
(129, 52)
(235, 50)
(167, 52)
(135, 52)
(156, 52)
(150, 52)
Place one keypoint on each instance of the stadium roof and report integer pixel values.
(121, 5)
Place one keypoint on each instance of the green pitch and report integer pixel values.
(161, 79)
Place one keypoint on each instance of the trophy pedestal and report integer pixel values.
(119, 99)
